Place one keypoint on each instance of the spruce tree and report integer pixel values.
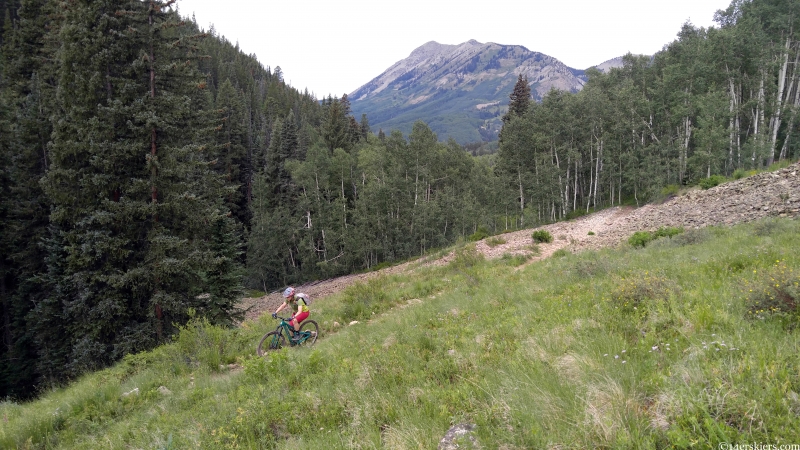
(140, 234)
(26, 90)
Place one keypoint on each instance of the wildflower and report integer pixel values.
(616, 356)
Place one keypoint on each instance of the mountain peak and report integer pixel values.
(460, 90)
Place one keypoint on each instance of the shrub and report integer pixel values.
(713, 180)
(775, 294)
(670, 190)
(515, 260)
(633, 292)
(738, 174)
(591, 233)
(560, 253)
(495, 241)
(667, 232)
(574, 214)
(466, 257)
(542, 236)
(640, 238)
(481, 233)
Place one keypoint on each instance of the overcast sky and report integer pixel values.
(336, 46)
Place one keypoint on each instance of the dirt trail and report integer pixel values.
(775, 194)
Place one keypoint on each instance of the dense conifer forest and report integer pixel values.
(151, 171)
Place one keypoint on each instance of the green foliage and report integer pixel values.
(494, 241)
(714, 180)
(591, 233)
(433, 355)
(774, 293)
(481, 233)
(670, 190)
(560, 253)
(542, 236)
(642, 238)
(516, 259)
(466, 257)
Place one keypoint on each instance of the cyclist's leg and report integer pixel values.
(299, 318)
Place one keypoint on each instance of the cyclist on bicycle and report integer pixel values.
(292, 298)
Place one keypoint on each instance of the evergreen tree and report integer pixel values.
(26, 90)
(140, 234)
(520, 99)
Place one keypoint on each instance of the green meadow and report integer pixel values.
(689, 341)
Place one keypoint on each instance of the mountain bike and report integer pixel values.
(275, 340)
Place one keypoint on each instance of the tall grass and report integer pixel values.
(630, 348)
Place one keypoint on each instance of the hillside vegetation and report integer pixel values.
(689, 341)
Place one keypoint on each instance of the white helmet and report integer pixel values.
(288, 292)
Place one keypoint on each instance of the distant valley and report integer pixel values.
(460, 91)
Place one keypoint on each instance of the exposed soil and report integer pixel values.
(775, 194)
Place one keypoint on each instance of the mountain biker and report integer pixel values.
(292, 298)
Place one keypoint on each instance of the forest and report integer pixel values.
(151, 171)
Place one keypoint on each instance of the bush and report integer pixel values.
(591, 233)
(481, 233)
(738, 174)
(640, 238)
(775, 294)
(560, 253)
(667, 232)
(713, 180)
(670, 190)
(515, 260)
(466, 257)
(632, 292)
(542, 236)
(495, 241)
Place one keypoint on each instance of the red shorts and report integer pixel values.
(301, 317)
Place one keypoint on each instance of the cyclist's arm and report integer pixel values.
(299, 308)
(283, 305)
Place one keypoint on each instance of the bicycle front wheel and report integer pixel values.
(309, 330)
(274, 340)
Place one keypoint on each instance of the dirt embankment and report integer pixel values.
(775, 194)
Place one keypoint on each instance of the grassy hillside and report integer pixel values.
(688, 342)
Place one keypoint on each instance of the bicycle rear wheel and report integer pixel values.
(274, 340)
(310, 327)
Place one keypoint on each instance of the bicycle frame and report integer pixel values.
(284, 328)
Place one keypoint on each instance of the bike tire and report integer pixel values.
(274, 340)
(313, 328)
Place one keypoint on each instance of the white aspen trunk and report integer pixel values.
(758, 118)
(731, 124)
(521, 197)
(776, 119)
(575, 188)
(688, 136)
(560, 188)
(566, 184)
(591, 178)
(598, 171)
(795, 107)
